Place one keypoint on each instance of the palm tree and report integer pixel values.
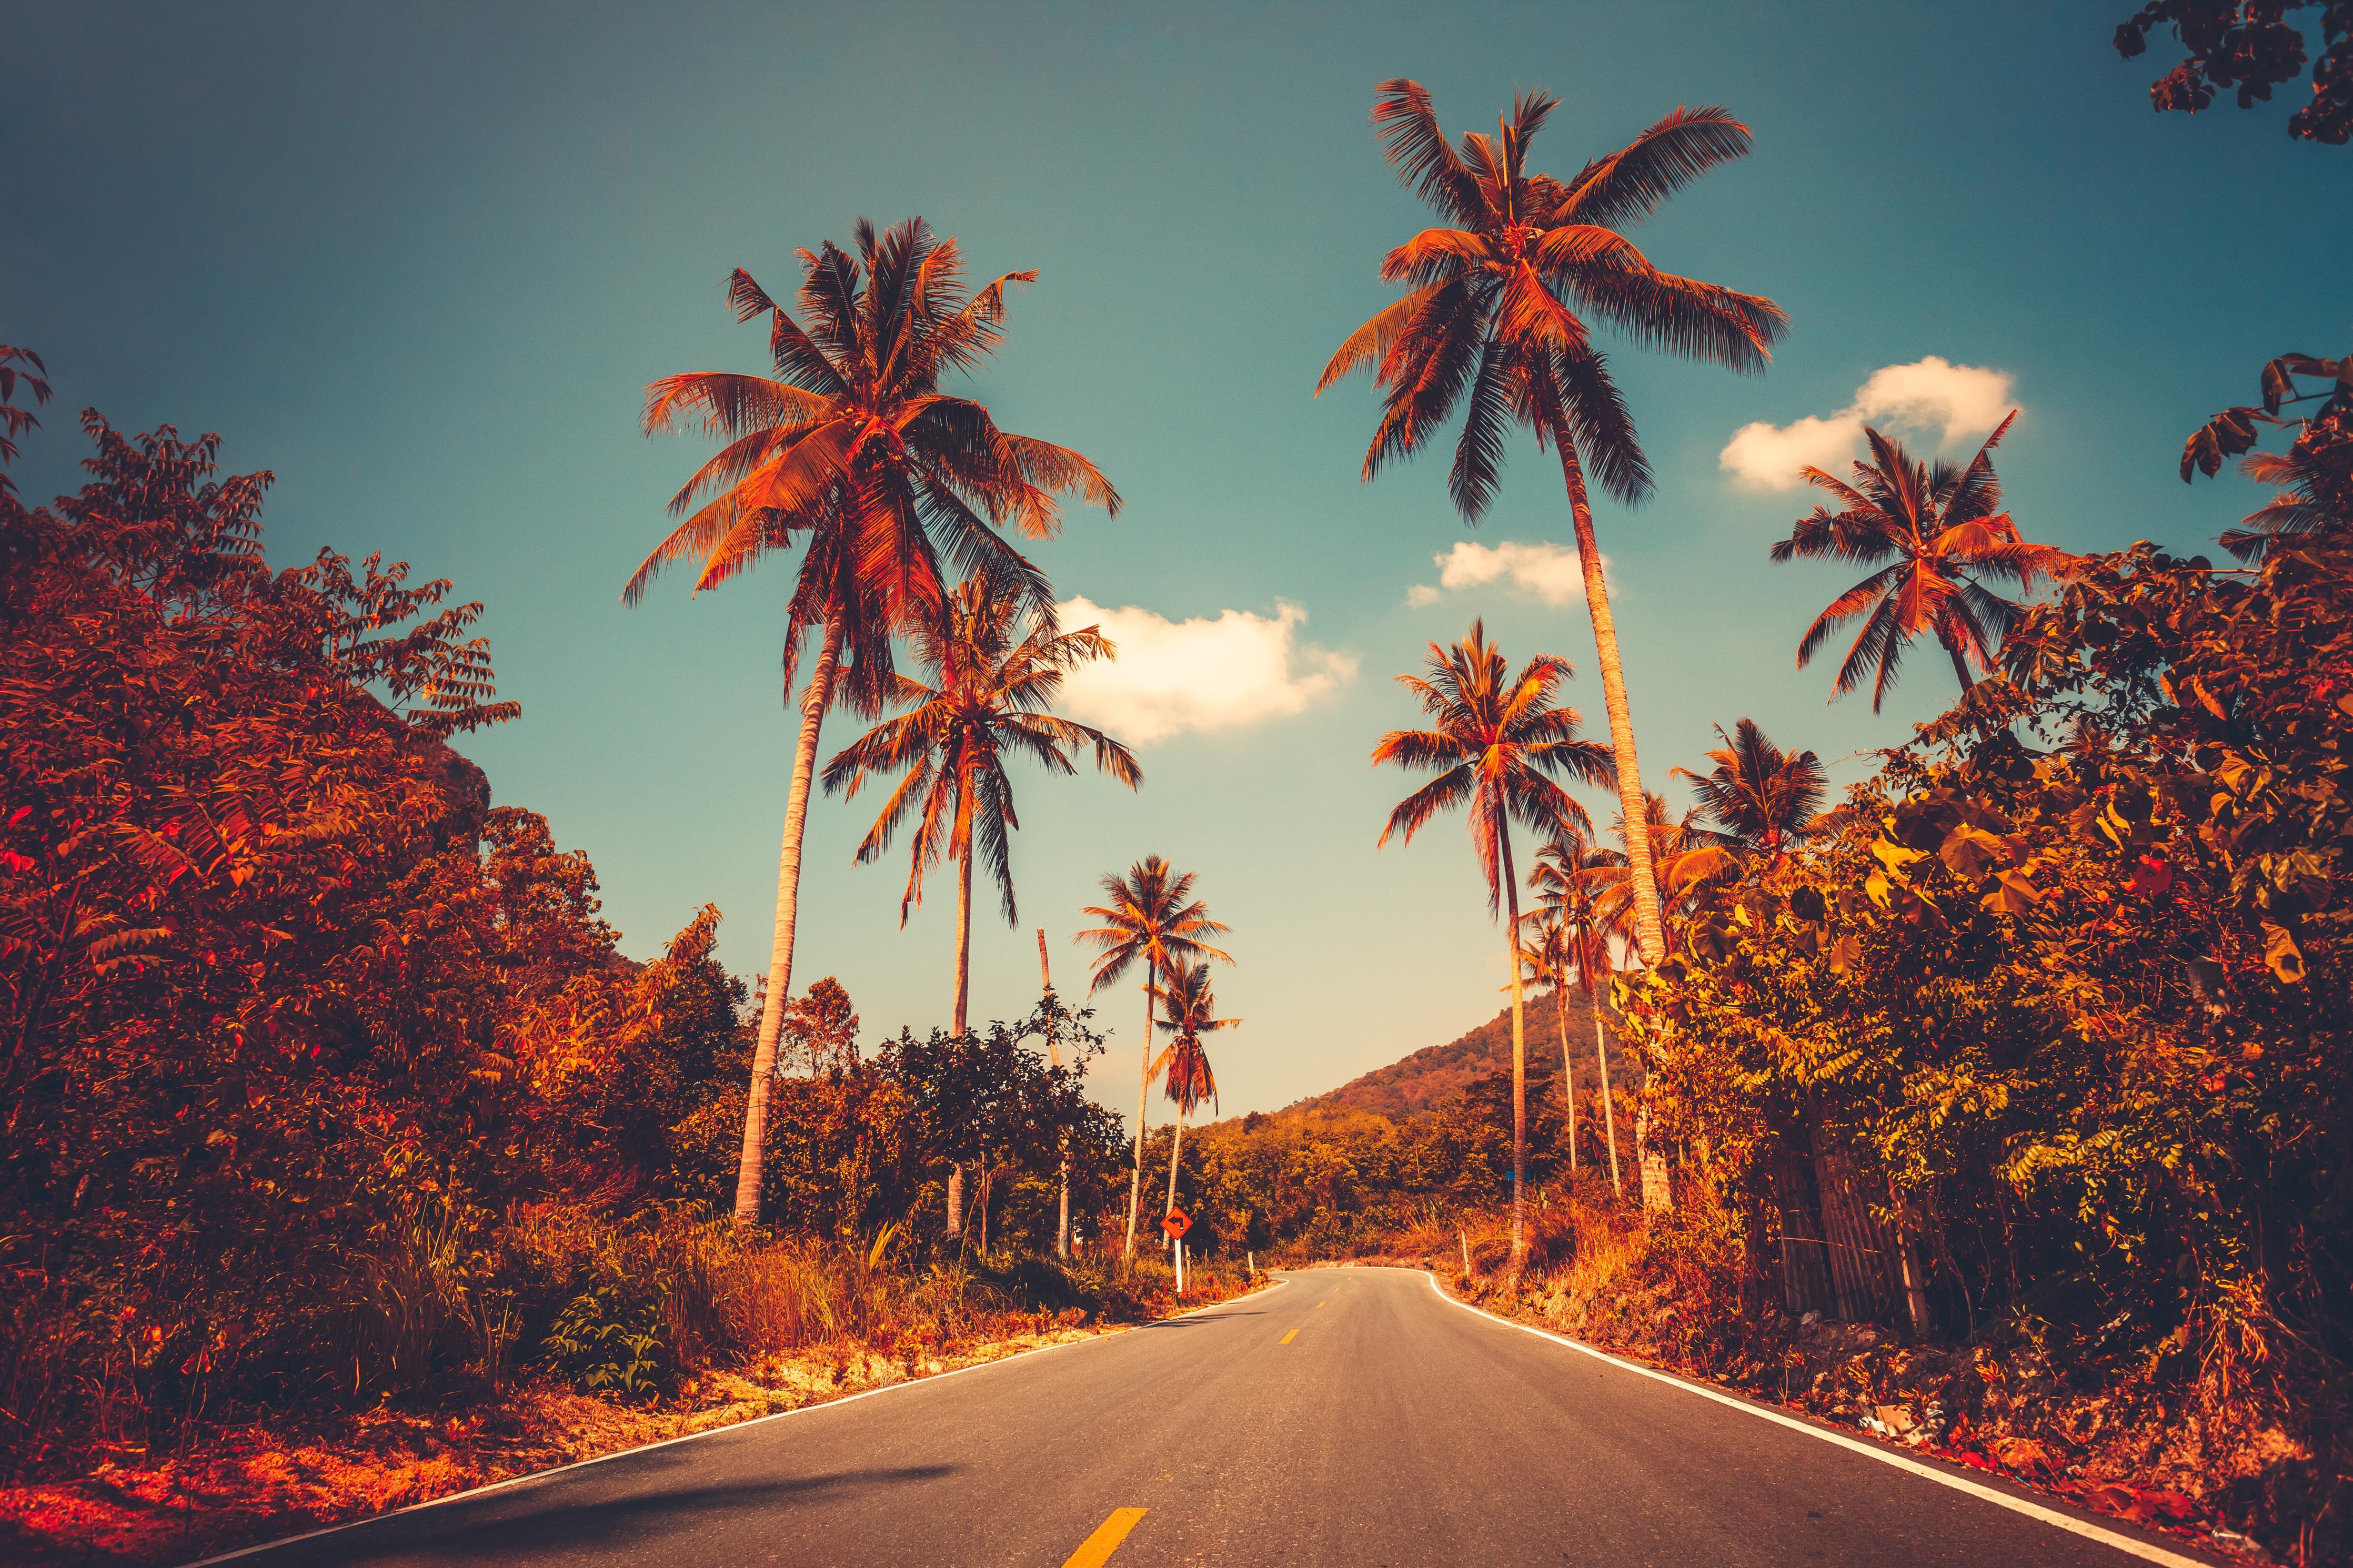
(2315, 496)
(1493, 309)
(1497, 739)
(1571, 873)
(851, 449)
(1759, 798)
(1149, 915)
(952, 745)
(1548, 962)
(1054, 1058)
(1933, 526)
(1686, 859)
(1189, 1009)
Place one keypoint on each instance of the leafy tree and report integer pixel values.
(16, 419)
(852, 450)
(2070, 978)
(1491, 320)
(1498, 739)
(990, 1100)
(823, 1028)
(1149, 916)
(999, 667)
(1940, 529)
(2249, 44)
(256, 968)
(1189, 1009)
(630, 1061)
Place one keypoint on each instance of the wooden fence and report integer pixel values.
(1836, 1258)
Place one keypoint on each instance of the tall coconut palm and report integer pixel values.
(1054, 1059)
(1151, 916)
(1189, 1009)
(1497, 308)
(997, 666)
(1760, 799)
(1937, 530)
(851, 449)
(1497, 742)
(1571, 875)
(1545, 953)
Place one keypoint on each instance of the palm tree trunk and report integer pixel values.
(964, 933)
(1143, 1098)
(1174, 1148)
(956, 1199)
(1961, 668)
(1609, 1115)
(817, 697)
(1650, 932)
(1519, 1043)
(1568, 1075)
(1054, 1057)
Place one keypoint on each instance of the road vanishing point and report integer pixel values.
(1344, 1418)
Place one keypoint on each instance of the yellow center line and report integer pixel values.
(1319, 1306)
(1096, 1549)
(1288, 1338)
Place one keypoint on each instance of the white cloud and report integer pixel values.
(1199, 674)
(1549, 572)
(1934, 395)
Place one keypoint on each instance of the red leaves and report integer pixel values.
(2151, 875)
(2141, 1505)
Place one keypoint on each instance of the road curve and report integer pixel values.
(1348, 1417)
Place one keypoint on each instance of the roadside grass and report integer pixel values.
(584, 1339)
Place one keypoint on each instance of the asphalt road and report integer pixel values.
(1348, 1417)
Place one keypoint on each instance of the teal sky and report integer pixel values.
(420, 262)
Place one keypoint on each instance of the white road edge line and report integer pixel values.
(534, 1477)
(2051, 1516)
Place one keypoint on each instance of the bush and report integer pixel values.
(602, 1344)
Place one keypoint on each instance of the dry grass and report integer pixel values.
(283, 1478)
(813, 1328)
(448, 1335)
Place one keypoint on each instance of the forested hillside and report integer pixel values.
(1420, 1083)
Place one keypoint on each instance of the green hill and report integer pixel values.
(1422, 1081)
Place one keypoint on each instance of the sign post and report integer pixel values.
(1176, 1224)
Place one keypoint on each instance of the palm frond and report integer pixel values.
(1419, 749)
(1370, 343)
(1628, 187)
(1426, 164)
(1479, 451)
(1425, 371)
(1448, 790)
(1603, 428)
(1682, 316)
(1432, 256)
(721, 403)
